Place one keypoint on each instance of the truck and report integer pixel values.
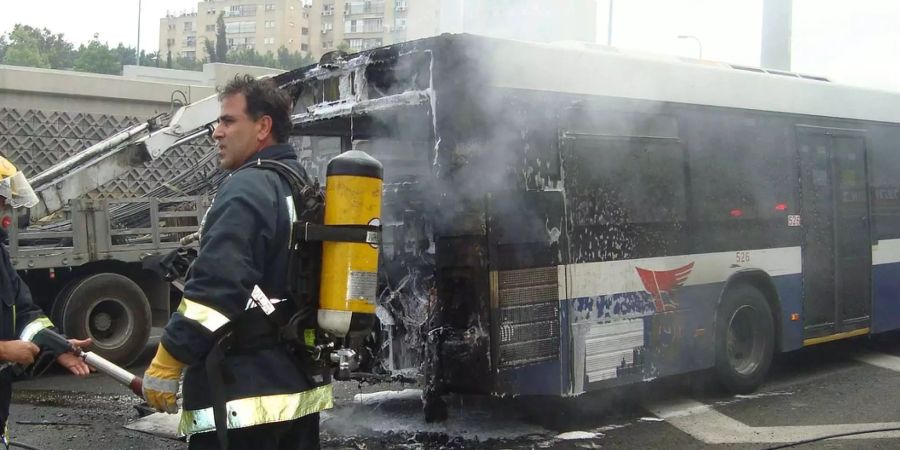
(92, 264)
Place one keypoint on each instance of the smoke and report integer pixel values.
(533, 156)
(530, 20)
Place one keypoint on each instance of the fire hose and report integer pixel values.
(57, 344)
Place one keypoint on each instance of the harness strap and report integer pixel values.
(216, 379)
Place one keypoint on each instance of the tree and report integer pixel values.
(187, 64)
(150, 59)
(97, 58)
(251, 57)
(24, 48)
(290, 61)
(3, 45)
(60, 52)
(29, 46)
(221, 39)
(125, 55)
(210, 50)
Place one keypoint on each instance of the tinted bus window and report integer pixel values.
(627, 180)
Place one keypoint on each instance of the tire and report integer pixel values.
(745, 339)
(108, 308)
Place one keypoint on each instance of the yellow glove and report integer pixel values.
(161, 381)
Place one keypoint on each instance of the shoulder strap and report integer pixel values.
(304, 257)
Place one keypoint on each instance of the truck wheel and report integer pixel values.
(745, 339)
(108, 308)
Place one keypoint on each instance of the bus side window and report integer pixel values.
(884, 165)
(742, 168)
(623, 179)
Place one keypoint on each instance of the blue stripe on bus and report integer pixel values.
(531, 379)
(886, 303)
(696, 311)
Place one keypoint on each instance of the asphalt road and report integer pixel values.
(843, 387)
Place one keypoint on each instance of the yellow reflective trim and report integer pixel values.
(835, 337)
(247, 412)
(206, 316)
(34, 326)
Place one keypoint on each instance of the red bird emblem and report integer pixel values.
(656, 282)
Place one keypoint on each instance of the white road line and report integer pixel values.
(706, 424)
(882, 360)
(712, 427)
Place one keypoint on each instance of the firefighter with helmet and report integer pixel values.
(20, 318)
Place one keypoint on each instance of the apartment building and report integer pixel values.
(263, 25)
(363, 24)
(316, 27)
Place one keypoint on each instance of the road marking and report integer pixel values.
(712, 427)
(706, 424)
(882, 360)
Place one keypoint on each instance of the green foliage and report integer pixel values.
(251, 57)
(290, 61)
(125, 55)
(183, 63)
(98, 58)
(221, 40)
(150, 59)
(33, 47)
(210, 50)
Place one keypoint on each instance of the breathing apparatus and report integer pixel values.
(333, 262)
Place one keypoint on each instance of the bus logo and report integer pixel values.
(659, 282)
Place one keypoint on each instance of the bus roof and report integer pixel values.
(605, 71)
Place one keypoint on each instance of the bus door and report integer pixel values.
(837, 250)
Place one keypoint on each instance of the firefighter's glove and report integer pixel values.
(161, 381)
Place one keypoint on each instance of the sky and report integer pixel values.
(855, 42)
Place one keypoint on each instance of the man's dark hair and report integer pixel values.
(264, 98)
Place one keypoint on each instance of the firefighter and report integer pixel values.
(233, 363)
(20, 318)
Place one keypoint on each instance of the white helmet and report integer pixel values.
(14, 187)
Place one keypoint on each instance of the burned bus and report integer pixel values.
(565, 218)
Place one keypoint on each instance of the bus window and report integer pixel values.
(741, 164)
(884, 167)
(618, 179)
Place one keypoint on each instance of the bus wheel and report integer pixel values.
(745, 339)
(110, 309)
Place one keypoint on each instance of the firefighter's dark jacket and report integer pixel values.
(243, 243)
(20, 319)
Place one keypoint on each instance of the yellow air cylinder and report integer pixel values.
(349, 281)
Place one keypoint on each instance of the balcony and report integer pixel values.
(364, 7)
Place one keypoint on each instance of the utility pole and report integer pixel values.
(776, 34)
(137, 51)
(609, 24)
